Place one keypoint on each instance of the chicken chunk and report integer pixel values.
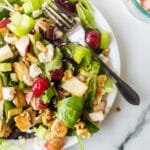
(59, 129)
(22, 72)
(25, 120)
(4, 129)
(19, 100)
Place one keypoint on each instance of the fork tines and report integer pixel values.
(61, 20)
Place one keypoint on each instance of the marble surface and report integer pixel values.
(128, 129)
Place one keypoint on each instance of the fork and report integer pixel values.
(76, 34)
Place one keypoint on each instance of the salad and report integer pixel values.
(50, 88)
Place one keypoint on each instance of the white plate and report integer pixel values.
(115, 64)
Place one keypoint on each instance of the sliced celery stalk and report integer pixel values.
(5, 67)
(7, 106)
(4, 78)
(13, 112)
(104, 40)
(13, 77)
(31, 5)
(21, 24)
(21, 85)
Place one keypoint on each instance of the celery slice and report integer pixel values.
(5, 67)
(13, 77)
(104, 40)
(41, 132)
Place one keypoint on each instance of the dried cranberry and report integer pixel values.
(40, 85)
(33, 31)
(66, 6)
(68, 58)
(57, 74)
(92, 38)
(49, 34)
(39, 105)
(53, 103)
(60, 92)
(16, 134)
(4, 22)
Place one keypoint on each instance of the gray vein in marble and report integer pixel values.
(141, 123)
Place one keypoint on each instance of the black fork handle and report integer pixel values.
(127, 92)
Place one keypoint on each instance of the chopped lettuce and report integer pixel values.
(82, 54)
(48, 94)
(4, 13)
(41, 132)
(109, 85)
(33, 39)
(69, 49)
(92, 126)
(90, 96)
(95, 67)
(85, 13)
(70, 109)
(31, 5)
(56, 63)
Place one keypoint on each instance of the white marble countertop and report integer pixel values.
(130, 128)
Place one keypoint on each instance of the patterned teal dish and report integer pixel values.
(138, 10)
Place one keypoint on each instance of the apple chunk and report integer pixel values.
(22, 45)
(75, 87)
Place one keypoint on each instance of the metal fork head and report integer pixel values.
(62, 20)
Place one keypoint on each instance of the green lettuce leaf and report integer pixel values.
(56, 63)
(109, 85)
(85, 13)
(48, 94)
(70, 109)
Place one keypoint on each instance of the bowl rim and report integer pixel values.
(140, 8)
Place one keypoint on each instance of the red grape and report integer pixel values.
(40, 85)
(92, 38)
